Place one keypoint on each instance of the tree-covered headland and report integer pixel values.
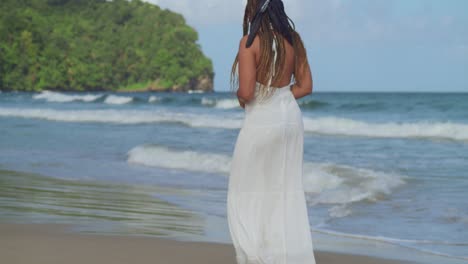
(86, 45)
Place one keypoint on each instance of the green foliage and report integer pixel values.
(96, 45)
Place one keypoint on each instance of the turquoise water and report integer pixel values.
(380, 168)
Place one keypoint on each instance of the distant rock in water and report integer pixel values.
(98, 45)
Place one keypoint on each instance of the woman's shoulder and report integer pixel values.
(255, 44)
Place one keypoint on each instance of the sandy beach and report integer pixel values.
(54, 244)
(122, 138)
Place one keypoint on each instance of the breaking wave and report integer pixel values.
(319, 125)
(220, 103)
(57, 97)
(325, 183)
(118, 100)
(122, 117)
(422, 129)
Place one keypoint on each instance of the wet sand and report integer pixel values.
(54, 244)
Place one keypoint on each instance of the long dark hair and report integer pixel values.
(268, 20)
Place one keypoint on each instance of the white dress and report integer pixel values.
(266, 206)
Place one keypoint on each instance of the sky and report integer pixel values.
(352, 45)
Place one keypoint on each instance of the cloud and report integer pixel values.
(363, 22)
(202, 12)
(212, 12)
(343, 21)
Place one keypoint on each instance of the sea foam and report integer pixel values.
(118, 100)
(421, 129)
(325, 183)
(124, 117)
(319, 125)
(341, 184)
(50, 96)
(153, 99)
(220, 103)
(158, 156)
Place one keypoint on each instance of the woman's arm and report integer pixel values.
(247, 71)
(303, 86)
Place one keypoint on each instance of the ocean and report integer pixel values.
(385, 174)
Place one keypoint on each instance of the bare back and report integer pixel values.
(250, 72)
(289, 61)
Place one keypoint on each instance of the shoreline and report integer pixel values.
(54, 243)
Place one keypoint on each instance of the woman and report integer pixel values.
(266, 206)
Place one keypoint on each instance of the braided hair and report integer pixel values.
(268, 20)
